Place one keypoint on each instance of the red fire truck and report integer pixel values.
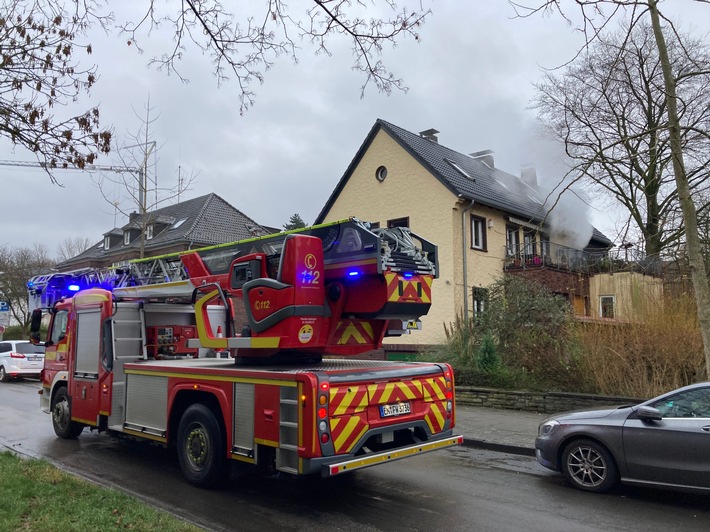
(227, 353)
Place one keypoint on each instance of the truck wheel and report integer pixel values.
(201, 447)
(3, 374)
(64, 427)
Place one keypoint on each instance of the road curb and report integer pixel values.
(498, 447)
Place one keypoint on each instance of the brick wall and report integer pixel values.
(542, 402)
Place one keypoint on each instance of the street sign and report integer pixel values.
(4, 312)
(2, 329)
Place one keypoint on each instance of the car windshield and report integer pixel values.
(29, 349)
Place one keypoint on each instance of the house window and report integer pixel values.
(126, 238)
(606, 306)
(478, 233)
(530, 246)
(107, 242)
(480, 301)
(460, 170)
(381, 173)
(544, 245)
(149, 232)
(512, 241)
(398, 222)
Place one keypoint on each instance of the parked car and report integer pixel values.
(664, 441)
(20, 358)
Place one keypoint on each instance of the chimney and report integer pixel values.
(485, 156)
(528, 174)
(430, 134)
(132, 216)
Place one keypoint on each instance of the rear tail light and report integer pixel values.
(17, 355)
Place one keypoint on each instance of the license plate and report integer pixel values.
(396, 409)
(34, 359)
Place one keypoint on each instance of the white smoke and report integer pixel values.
(569, 220)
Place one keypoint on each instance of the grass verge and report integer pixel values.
(38, 496)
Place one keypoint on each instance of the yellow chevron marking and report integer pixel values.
(347, 401)
(436, 411)
(434, 391)
(350, 425)
(367, 326)
(351, 331)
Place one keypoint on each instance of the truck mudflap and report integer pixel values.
(359, 462)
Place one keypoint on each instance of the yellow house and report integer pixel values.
(484, 221)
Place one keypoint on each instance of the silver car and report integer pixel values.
(20, 358)
(664, 442)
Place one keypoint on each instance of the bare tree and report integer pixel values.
(72, 246)
(596, 15)
(136, 190)
(243, 45)
(39, 38)
(608, 107)
(17, 266)
(38, 75)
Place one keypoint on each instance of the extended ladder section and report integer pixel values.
(350, 249)
(336, 288)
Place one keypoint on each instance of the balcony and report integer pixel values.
(557, 257)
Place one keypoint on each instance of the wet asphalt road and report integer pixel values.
(457, 489)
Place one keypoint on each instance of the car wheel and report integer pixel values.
(3, 374)
(201, 447)
(589, 466)
(63, 425)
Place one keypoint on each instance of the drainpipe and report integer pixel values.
(464, 251)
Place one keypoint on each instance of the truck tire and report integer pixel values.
(201, 447)
(63, 425)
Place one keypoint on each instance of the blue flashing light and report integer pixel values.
(73, 288)
(30, 284)
(408, 275)
(353, 273)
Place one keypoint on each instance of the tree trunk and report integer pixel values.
(690, 219)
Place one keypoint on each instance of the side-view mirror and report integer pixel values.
(35, 324)
(648, 413)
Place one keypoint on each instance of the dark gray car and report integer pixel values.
(664, 441)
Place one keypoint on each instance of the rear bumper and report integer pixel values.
(342, 464)
(14, 371)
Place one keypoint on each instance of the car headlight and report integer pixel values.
(548, 427)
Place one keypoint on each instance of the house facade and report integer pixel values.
(194, 223)
(484, 221)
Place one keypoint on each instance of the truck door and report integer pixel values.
(84, 377)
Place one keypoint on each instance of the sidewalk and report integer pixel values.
(510, 431)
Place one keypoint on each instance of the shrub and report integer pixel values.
(660, 351)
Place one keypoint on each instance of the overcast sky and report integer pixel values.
(470, 77)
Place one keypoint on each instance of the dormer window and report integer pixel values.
(126, 238)
(149, 232)
(178, 223)
(460, 170)
(107, 242)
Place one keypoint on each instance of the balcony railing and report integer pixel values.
(550, 255)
